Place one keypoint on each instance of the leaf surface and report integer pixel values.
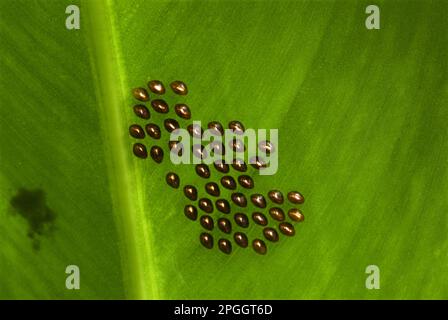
(362, 134)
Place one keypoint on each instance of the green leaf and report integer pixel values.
(362, 134)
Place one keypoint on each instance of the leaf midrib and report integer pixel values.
(139, 272)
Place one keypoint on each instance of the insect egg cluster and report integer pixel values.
(225, 221)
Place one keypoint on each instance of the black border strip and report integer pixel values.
(226, 309)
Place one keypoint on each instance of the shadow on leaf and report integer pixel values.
(31, 205)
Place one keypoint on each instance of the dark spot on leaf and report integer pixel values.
(31, 205)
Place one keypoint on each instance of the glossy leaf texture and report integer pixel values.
(361, 116)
